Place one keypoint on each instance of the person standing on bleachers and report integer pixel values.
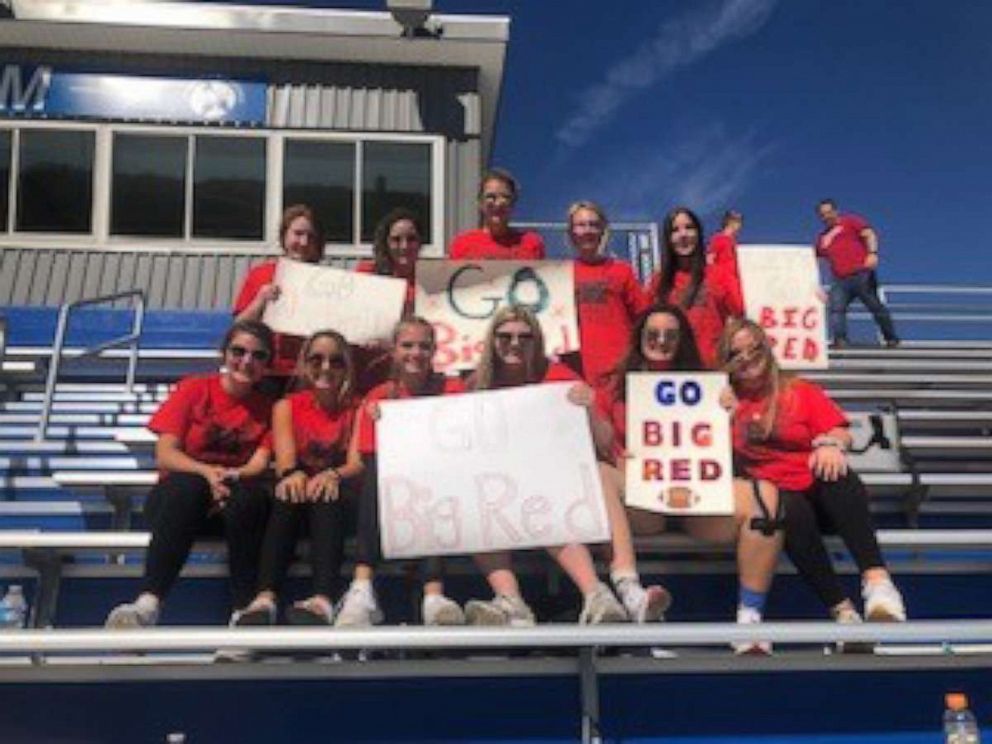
(301, 239)
(850, 246)
(608, 297)
(311, 433)
(787, 431)
(211, 459)
(709, 295)
(496, 239)
(722, 249)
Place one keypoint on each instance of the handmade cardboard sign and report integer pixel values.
(678, 438)
(363, 307)
(486, 471)
(781, 285)
(461, 297)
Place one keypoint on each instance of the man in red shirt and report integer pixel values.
(722, 250)
(850, 246)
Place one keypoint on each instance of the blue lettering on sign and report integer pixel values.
(40, 90)
(688, 393)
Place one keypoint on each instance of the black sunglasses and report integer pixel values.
(239, 352)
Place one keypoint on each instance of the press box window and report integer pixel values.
(55, 181)
(322, 175)
(395, 175)
(148, 189)
(229, 188)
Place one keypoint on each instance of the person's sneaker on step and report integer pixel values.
(845, 614)
(437, 609)
(750, 616)
(358, 608)
(260, 613)
(601, 606)
(643, 604)
(142, 613)
(503, 609)
(883, 602)
(234, 655)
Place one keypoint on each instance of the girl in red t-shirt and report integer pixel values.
(396, 247)
(412, 376)
(662, 341)
(498, 192)
(514, 355)
(787, 430)
(301, 239)
(710, 295)
(210, 452)
(311, 433)
(608, 297)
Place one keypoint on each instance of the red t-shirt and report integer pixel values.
(608, 299)
(717, 300)
(479, 245)
(321, 436)
(804, 413)
(611, 406)
(394, 391)
(722, 251)
(287, 348)
(212, 426)
(843, 246)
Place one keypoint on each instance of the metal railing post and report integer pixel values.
(136, 327)
(53, 372)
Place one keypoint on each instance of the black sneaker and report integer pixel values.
(839, 343)
(892, 343)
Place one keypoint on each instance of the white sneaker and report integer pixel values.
(358, 609)
(601, 606)
(644, 604)
(130, 616)
(437, 609)
(234, 655)
(883, 602)
(750, 616)
(847, 615)
(503, 609)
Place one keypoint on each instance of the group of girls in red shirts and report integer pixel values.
(215, 441)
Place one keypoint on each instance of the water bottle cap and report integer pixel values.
(956, 700)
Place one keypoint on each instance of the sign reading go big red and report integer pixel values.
(460, 299)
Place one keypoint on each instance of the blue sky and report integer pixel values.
(760, 105)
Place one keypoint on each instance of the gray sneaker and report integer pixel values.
(847, 615)
(438, 609)
(130, 616)
(234, 655)
(358, 609)
(503, 609)
(602, 606)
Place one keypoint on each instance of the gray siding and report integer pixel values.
(342, 97)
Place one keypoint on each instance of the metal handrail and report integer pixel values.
(61, 327)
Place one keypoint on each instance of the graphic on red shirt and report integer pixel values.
(287, 348)
(320, 436)
(479, 245)
(843, 246)
(716, 301)
(804, 413)
(608, 299)
(212, 426)
(390, 390)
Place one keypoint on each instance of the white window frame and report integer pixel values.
(100, 238)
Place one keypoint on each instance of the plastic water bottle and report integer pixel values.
(13, 608)
(960, 726)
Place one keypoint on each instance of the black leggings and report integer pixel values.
(180, 508)
(839, 507)
(328, 522)
(369, 537)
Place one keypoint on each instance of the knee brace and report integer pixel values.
(766, 524)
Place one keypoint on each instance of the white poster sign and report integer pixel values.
(486, 471)
(678, 437)
(782, 293)
(362, 307)
(460, 298)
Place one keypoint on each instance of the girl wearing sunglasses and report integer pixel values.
(709, 295)
(514, 355)
(662, 341)
(210, 453)
(301, 239)
(787, 431)
(412, 376)
(311, 433)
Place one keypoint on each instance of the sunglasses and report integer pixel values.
(240, 352)
(666, 336)
(334, 361)
(742, 356)
(505, 338)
